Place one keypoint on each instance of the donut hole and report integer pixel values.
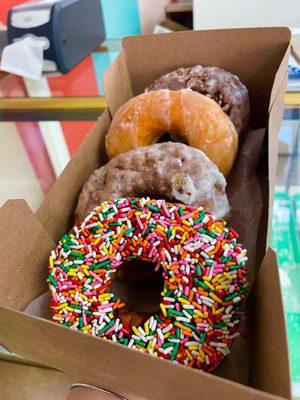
(139, 286)
(171, 137)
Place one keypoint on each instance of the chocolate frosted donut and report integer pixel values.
(168, 170)
(222, 86)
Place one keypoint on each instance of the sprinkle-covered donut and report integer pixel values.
(202, 264)
(216, 83)
(171, 170)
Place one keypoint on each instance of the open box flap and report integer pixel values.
(23, 379)
(25, 247)
(59, 204)
(269, 369)
(112, 366)
(138, 376)
(124, 92)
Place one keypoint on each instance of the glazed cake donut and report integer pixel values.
(202, 265)
(200, 122)
(220, 85)
(167, 170)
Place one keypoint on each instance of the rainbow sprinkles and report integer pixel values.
(203, 267)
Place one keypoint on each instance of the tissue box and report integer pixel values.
(259, 57)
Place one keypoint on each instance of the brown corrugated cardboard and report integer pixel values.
(256, 56)
(22, 379)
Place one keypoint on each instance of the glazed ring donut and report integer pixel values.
(200, 122)
(202, 264)
(167, 170)
(220, 85)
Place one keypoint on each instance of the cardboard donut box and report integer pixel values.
(260, 58)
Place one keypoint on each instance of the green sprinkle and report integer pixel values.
(200, 283)
(235, 267)
(231, 297)
(198, 269)
(52, 280)
(129, 231)
(180, 211)
(103, 264)
(140, 343)
(175, 312)
(203, 337)
(106, 327)
(153, 208)
(200, 218)
(167, 344)
(174, 352)
(77, 307)
(134, 201)
(76, 254)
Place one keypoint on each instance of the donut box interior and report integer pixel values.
(260, 58)
(24, 379)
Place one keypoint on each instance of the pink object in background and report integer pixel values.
(151, 13)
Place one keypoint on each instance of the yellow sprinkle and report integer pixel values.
(227, 276)
(72, 273)
(160, 228)
(148, 215)
(190, 357)
(149, 345)
(86, 272)
(219, 310)
(167, 334)
(58, 316)
(193, 347)
(111, 315)
(60, 306)
(136, 332)
(221, 287)
(214, 297)
(84, 296)
(146, 326)
(183, 238)
(105, 250)
(185, 222)
(69, 309)
(72, 235)
(201, 352)
(209, 285)
(51, 261)
(216, 278)
(183, 301)
(206, 278)
(213, 310)
(199, 313)
(163, 309)
(86, 328)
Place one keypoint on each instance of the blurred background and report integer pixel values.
(43, 121)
